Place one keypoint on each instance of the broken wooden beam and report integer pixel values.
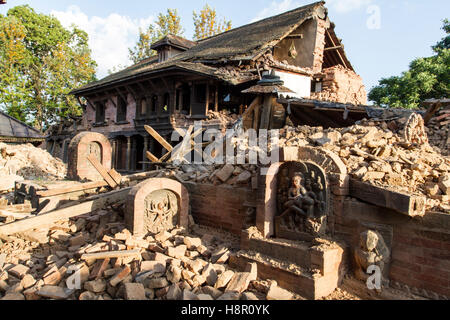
(110, 254)
(158, 138)
(102, 171)
(81, 187)
(97, 202)
(410, 205)
(152, 157)
(15, 215)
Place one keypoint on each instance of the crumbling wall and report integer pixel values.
(419, 258)
(342, 85)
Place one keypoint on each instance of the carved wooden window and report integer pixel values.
(99, 112)
(143, 109)
(165, 108)
(121, 110)
(154, 104)
(200, 93)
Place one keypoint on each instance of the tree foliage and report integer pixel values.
(169, 23)
(426, 78)
(207, 24)
(41, 62)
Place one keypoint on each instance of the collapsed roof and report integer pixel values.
(245, 43)
(13, 129)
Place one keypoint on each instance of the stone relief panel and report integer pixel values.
(161, 211)
(302, 199)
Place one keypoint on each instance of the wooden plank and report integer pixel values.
(15, 215)
(431, 112)
(98, 166)
(99, 202)
(80, 187)
(152, 157)
(110, 254)
(117, 177)
(410, 205)
(267, 111)
(164, 157)
(158, 138)
(256, 102)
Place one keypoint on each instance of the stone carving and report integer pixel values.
(161, 211)
(372, 250)
(80, 147)
(415, 130)
(302, 198)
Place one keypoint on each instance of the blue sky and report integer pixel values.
(381, 37)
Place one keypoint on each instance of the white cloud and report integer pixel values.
(341, 6)
(277, 7)
(344, 6)
(109, 38)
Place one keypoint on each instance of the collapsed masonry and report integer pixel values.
(344, 189)
(191, 81)
(366, 184)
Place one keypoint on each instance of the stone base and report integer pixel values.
(311, 269)
(138, 208)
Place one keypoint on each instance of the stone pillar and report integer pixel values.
(133, 155)
(128, 154)
(144, 154)
(114, 152)
(152, 146)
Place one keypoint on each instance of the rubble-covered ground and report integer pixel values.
(172, 265)
(26, 162)
(374, 152)
(176, 265)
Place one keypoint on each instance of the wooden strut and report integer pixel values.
(403, 203)
(35, 222)
(102, 171)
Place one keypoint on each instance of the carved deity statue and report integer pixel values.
(301, 198)
(161, 211)
(372, 250)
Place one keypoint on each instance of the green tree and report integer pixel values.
(169, 23)
(49, 62)
(13, 90)
(445, 42)
(426, 78)
(207, 24)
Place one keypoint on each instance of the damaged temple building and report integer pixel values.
(353, 186)
(189, 81)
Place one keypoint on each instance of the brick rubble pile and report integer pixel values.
(376, 155)
(373, 151)
(112, 264)
(19, 162)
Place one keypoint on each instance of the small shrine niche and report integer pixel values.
(302, 201)
(161, 211)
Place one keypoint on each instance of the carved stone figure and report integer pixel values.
(372, 250)
(415, 130)
(161, 211)
(302, 198)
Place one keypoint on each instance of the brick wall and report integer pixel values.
(420, 251)
(220, 207)
(111, 117)
(342, 85)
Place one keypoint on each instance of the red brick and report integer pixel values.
(426, 261)
(408, 266)
(445, 275)
(432, 244)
